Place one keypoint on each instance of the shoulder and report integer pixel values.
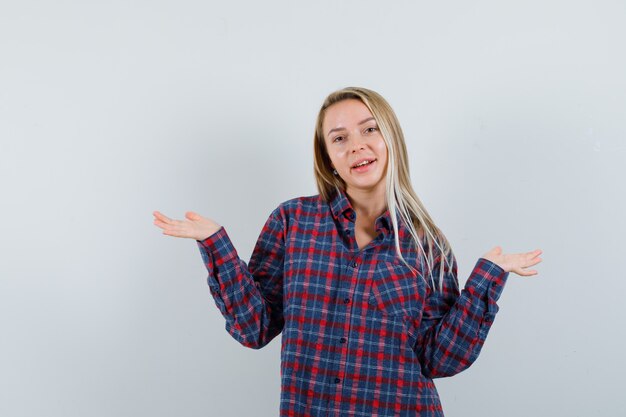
(305, 204)
(299, 207)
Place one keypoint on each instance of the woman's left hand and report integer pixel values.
(514, 262)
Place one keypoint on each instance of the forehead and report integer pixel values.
(345, 114)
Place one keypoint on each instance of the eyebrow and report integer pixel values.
(343, 128)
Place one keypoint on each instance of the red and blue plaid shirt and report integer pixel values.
(362, 334)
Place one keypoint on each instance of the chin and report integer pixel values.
(367, 185)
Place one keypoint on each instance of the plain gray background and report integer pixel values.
(514, 118)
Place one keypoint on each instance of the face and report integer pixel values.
(355, 145)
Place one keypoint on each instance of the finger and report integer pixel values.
(171, 230)
(527, 259)
(178, 227)
(525, 272)
(533, 262)
(175, 227)
(177, 223)
(171, 233)
(192, 216)
(159, 223)
(162, 217)
(526, 263)
(176, 233)
(534, 253)
(495, 251)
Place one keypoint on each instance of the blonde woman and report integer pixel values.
(359, 280)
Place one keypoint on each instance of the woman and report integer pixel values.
(359, 279)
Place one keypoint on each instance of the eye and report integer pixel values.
(371, 129)
(338, 139)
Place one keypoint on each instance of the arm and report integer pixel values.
(454, 325)
(248, 296)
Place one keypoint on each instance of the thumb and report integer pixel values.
(192, 216)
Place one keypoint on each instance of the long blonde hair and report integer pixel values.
(401, 198)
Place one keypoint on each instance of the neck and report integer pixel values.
(368, 203)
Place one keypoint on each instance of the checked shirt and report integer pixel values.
(362, 334)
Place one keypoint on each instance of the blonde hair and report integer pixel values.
(401, 198)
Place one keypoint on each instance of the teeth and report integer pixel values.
(362, 164)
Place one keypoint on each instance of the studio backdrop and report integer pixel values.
(513, 114)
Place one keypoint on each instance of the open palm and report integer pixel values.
(194, 226)
(514, 262)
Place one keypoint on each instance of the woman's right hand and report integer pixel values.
(193, 227)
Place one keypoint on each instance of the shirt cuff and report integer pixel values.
(217, 249)
(487, 282)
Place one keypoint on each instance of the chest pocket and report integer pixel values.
(397, 290)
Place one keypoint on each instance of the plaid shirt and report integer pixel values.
(362, 334)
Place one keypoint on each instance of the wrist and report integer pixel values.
(208, 233)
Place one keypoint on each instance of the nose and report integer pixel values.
(358, 143)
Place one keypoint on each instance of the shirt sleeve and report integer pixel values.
(455, 324)
(250, 297)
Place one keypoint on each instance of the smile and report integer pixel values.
(363, 162)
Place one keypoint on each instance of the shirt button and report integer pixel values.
(337, 380)
(355, 264)
(343, 340)
(346, 300)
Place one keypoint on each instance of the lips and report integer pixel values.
(362, 162)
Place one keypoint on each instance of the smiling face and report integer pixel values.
(355, 146)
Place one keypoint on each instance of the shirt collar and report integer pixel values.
(340, 206)
(342, 209)
(383, 222)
